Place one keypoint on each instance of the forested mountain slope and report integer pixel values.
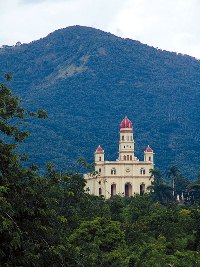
(88, 80)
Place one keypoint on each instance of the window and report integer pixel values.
(149, 158)
(124, 146)
(113, 171)
(142, 171)
(130, 157)
(100, 191)
(127, 157)
(122, 138)
(124, 157)
(99, 169)
(99, 158)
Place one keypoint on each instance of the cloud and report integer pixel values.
(23, 22)
(40, 1)
(172, 25)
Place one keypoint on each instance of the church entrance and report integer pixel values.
(113, 190)
(128, 190)
(142, 189)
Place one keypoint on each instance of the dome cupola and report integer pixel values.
(126, 123)
(148, 149)
(126, 126)
(99, 149)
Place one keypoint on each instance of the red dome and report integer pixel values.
(126, 123)
(148, 149)
(99, 149)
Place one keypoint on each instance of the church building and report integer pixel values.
(127, 175)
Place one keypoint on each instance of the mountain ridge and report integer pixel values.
(80, 74)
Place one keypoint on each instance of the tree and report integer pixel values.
(116, 206)
(49, 219)
(25, 217)
(155, 174)
(99, 242)
(173, 173)
(193, 190)
(159, 189)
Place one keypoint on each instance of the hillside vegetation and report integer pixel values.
(51, 220)
(88, 80)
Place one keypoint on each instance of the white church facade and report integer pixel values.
(127, 175)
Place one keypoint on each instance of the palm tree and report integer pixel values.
(155, 174)
(173, 173)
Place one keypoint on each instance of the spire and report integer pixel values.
(148, 149)
(99, 149)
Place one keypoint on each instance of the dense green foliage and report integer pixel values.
(49, 220)
(88, 80)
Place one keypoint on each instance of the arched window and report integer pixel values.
(142, 171)
(100, 191)
(127, 157)
(99, 158)
(99, 169)
(142, 189)
(113, 190)
(128, 190)
(113, 171)
(124, 157)
(122, 137)
(149, 158)
(130, 157)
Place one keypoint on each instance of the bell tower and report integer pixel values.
(99, 159)
(148, 154)
(126, 142)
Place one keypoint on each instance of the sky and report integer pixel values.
(172, 25)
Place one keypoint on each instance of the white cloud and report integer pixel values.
(172, 25)
(26, 22)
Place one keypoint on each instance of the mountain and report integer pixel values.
(88, 80)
